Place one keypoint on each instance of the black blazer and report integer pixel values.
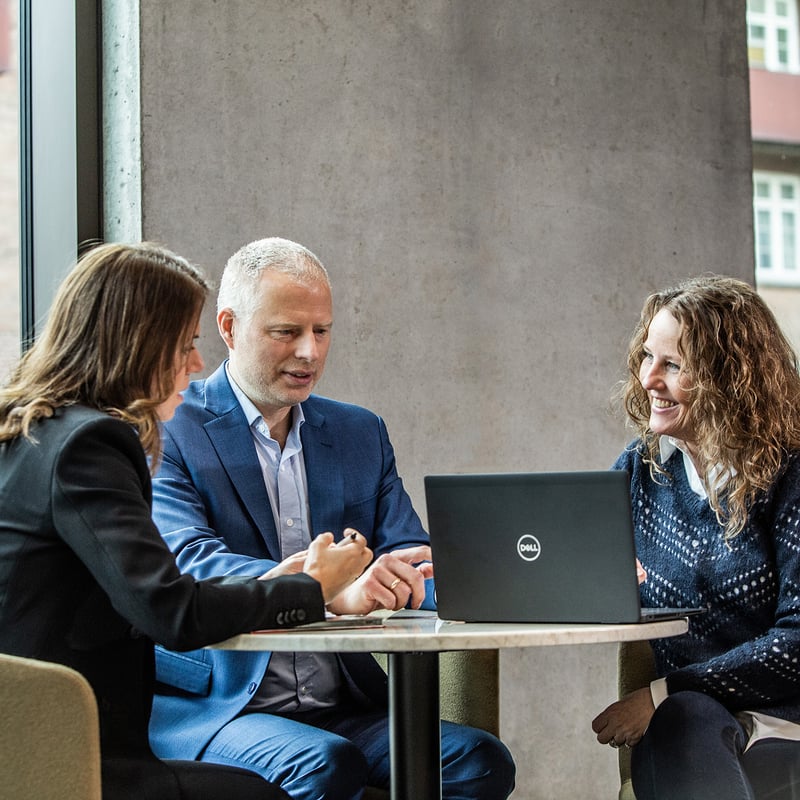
(86, 580)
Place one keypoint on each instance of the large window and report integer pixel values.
(60, 198)
(772, 35)
(776, 202)
(9, 194)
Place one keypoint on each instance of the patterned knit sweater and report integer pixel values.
(745, 649)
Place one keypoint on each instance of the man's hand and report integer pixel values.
(623, 723)
(389, 582)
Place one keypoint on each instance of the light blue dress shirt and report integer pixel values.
(294, 681)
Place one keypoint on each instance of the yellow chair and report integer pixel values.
(468, 693)
(49, 732)
(635, 669)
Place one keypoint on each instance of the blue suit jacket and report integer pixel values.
(212, 508)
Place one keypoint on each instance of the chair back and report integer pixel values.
(49, 732)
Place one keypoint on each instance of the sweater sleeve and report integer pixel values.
(100, 500)
(625, 460)
(759, 670)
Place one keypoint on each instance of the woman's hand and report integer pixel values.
(336, 566)
(289, 566)
(623, 723)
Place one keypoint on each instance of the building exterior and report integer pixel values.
(773, 37)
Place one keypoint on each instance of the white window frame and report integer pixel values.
(774, 22)
(777, 246)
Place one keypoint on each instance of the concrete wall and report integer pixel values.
(494, 187)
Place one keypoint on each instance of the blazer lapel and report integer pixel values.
(231, 438)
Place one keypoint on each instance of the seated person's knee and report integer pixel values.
(335, 765)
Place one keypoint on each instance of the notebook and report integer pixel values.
(536, 547)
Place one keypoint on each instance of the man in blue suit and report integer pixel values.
(254, 466)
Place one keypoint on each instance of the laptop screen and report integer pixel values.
(533, 547)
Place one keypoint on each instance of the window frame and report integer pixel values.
(773, 210)
(60, 147)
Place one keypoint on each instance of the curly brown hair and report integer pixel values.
(109, 342)
(742, 379)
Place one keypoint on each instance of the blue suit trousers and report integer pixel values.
(333, 754)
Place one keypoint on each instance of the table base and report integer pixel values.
(415, 739)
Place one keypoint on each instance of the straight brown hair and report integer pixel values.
(110, 341)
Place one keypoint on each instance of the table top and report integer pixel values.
(423, 631)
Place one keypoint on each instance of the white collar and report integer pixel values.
(716, 476)
(253, 415)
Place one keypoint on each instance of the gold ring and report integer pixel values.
(394, 583)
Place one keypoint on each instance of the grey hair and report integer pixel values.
(237, 287)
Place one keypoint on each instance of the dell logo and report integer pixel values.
(528, 547)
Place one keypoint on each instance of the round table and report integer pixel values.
(413, 640)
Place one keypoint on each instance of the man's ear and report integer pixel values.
(225, 324)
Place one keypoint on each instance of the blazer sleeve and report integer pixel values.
(181, 514)
(100, 499)
(396, 524)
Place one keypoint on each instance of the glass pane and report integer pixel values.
(781, 8)
(9, 188)
(789, 244)
(758, 6)
(762, 189)
(787, 191)
(782, 46)
(763, 245)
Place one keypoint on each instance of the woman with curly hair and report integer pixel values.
(714, 394)
(85, 578)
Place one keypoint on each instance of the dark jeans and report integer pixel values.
(694, 750)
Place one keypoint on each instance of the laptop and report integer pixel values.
(536, 547)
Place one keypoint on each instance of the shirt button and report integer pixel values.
(289, 522)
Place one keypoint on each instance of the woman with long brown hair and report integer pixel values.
(85, 578)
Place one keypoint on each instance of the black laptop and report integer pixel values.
(536, 547)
